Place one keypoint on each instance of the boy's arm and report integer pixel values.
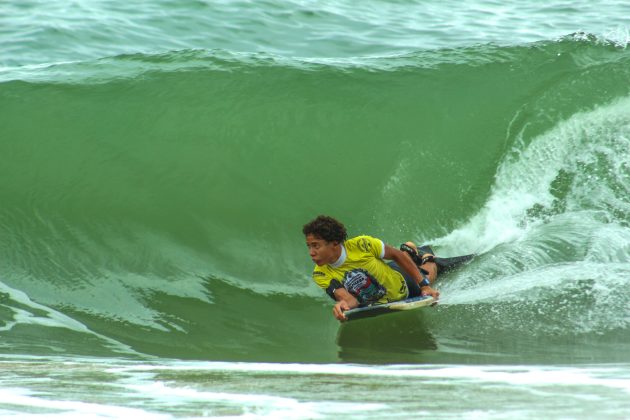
(345, 301)
(405, 262)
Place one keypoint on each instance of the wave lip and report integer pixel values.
(132, 64)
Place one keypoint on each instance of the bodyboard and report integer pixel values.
(388, 308)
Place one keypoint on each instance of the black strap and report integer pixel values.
(334, 285)
(417, 258)
(412, 253)
(428, 258)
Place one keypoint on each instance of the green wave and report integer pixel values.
(158, 199)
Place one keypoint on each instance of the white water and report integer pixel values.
(168, 389)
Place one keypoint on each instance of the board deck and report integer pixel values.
(387, 308)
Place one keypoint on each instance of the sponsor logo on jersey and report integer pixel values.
(363, 286)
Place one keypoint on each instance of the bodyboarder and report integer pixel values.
(354, 273)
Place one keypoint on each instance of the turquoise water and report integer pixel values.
(158, 159)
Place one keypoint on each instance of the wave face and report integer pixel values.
(153, 203)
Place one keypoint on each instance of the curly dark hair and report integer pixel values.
(326, 228)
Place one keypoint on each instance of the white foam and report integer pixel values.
(525, 178)
(519, 375)
(260, 405)
(267, 390)
(578, 235)
(70, 409)
(619, 35)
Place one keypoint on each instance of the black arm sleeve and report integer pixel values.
(334, 285)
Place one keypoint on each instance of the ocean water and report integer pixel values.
(158, 159)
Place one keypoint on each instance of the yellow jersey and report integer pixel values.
(362, 271)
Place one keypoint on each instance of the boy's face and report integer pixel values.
(321, 251)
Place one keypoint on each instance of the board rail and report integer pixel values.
(391, 307)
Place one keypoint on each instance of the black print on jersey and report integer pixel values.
(365, 245)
